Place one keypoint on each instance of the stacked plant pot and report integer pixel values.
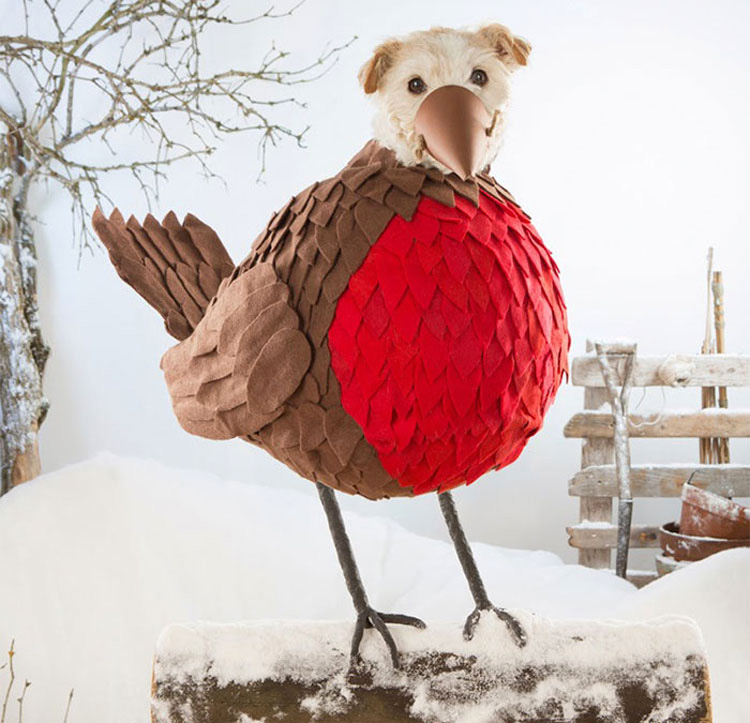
(709, 523)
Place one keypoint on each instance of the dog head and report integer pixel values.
(432, 85)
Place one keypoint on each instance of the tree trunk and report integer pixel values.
(22, 350)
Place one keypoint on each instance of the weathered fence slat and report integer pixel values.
(705, 423)
(653, 480)
(587, 535)
(701, 370)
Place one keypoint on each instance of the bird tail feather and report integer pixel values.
(176, 267)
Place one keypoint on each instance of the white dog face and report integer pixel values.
(403, 71)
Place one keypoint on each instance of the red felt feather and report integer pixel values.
(421, 284)
(456, 257)
(391, 278)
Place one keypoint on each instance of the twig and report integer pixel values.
(20, 699)
(67, 707)
(11, 681)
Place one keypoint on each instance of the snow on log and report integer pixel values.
(570, 671)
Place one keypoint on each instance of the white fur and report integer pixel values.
(440, 57)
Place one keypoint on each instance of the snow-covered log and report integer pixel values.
(572, 671)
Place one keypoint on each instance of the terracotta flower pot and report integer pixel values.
(692, 548)
(706, 514)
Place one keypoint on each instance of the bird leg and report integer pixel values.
(466, 558)
(367, 616)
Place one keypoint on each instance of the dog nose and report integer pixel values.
(453, 122)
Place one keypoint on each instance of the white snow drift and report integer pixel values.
(98, 557)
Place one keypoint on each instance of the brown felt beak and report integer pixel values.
(455, 125)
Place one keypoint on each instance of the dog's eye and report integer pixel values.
(417, 85)
(478, 76)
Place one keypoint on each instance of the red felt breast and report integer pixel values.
(450, 341)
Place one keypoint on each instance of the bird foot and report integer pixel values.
(516, 630)
(371, 618)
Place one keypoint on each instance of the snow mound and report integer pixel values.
(97, 558)
(715, 593)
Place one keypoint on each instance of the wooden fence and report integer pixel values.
(595, 535)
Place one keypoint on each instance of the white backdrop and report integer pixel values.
(627, 143)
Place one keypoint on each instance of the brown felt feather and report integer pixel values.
(256, 364)
(176, 268)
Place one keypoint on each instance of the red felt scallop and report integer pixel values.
(450, 341)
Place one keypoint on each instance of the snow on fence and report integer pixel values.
(570, 672)
(595, 485)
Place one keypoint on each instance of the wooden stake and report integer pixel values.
(717, 288)
(708, 394)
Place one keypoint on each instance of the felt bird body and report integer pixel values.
(396, 329)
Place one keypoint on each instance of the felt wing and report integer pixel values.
(244, 360)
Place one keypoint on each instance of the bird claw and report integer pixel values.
(371, 618)
(516, 630)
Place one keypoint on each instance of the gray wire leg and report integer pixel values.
(367, 616)
(471, 571)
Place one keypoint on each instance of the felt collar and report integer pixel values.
(374, 159)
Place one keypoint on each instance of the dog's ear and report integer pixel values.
(372, 72)
(511, 49)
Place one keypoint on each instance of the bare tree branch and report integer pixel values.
(139, 63)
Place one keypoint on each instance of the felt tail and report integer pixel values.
(176, 267)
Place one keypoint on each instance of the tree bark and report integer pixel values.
(23, 353)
